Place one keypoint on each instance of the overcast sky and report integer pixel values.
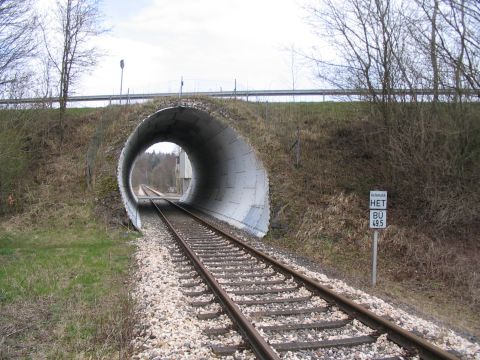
(208, 42)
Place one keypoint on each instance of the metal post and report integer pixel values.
(122, 65)
(374, 258)
(181, 86)
(298, 148)
(235, 89)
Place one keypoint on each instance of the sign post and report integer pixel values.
(378, 220)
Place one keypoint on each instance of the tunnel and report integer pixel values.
(229, 182)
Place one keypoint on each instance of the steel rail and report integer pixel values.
(400, 336)
(159, 194)
(238, 93)
(257, 343)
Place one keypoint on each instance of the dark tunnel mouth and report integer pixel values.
(228, 182)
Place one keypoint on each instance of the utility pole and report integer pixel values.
(181, 87)
(122, 65)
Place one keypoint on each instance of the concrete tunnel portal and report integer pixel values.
(229, 182)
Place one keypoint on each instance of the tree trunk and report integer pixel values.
(434, 55)
(64, 73)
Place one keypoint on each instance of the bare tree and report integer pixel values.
(77, 22)
(17, 42)
(433, 52)
(459, 43)
(367, 36)
(429, 48)
(382, 45)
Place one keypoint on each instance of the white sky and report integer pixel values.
(208, 42)
(165, 147)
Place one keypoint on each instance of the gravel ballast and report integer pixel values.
(168, 328)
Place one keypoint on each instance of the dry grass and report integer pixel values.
(64, 275)
(320, 209)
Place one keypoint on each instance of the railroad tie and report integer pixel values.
(288, 312)
(311, 345)
(263, 291)
(218, 331)
(225, 350)
(319, 325)
(209, 315)
(273, 301)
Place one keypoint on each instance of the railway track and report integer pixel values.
(278, 312)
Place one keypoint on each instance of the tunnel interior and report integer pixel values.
(228, 182)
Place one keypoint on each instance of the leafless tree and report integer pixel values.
(429, 48)
(433, 49)
(77, 23)
(448, 33)
(382, 45)
(368, 38)
(17, 40)
(459, 42)
(155, 169)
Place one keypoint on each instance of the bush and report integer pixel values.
(432, 160)
(14, 161)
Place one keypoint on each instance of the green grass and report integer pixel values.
(44, 113)
(75, 277)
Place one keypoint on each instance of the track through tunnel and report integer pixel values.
(229, 182)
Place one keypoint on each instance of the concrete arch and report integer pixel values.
(229, 182)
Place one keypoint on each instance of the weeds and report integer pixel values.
(69, 281)
(320, 209)
(63, 274)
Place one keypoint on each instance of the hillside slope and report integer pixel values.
(319, 208)
(64, 275)
(428, 256)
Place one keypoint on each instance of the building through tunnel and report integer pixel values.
(228, 181)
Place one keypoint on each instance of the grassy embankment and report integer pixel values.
(428, 256)
(63, 271)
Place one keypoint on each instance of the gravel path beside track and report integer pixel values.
(166, 327)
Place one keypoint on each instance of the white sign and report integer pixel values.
(378, 219)
(378, 200)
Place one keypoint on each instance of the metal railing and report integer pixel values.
(234, 94)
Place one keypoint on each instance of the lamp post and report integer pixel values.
(122, 65)
(181, 87)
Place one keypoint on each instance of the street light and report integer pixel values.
(122, 65)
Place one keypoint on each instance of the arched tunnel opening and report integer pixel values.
(228, 180)
(165, 167)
